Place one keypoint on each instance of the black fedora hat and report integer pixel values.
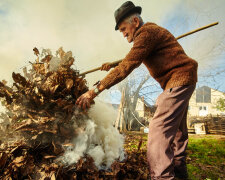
(125, 10)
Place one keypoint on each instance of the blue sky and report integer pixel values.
(212, 63)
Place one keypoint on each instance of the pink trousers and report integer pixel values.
(168, 135)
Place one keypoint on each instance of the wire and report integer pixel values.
(138, 120)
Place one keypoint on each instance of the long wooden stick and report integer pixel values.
(196, 30)
(112, 64)
(115, 63)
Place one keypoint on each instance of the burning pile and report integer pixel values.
(41, 103)
(43, 134)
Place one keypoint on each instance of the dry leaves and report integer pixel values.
(38, 125)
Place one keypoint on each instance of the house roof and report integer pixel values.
(205, 87)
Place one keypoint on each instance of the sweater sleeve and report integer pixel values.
(142, 47)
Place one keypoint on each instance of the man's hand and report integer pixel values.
(106, 67)
(85, 100)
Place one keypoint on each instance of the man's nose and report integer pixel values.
(124, 34)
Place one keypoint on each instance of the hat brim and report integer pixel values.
(136, 9)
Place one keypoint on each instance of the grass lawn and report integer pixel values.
(205, 159)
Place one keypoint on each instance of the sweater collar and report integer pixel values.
(142, 27)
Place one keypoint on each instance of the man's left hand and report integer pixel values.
(85, 100)
(106, 67)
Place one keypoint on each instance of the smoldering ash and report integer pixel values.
(41, 111)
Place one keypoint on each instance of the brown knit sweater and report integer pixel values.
(164, 57)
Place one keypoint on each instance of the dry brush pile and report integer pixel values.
(41, 121)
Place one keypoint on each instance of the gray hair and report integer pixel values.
(130, 18)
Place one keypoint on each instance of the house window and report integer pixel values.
(202, 108)
(203, 95)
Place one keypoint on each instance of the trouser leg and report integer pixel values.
(172, 105)
(180, 144)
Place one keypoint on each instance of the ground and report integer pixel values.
(205, 160)
(206, 154)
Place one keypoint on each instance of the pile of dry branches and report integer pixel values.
(40, 112)
(37, 126)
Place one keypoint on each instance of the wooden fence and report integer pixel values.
(213, 124)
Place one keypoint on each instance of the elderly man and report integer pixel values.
(176, 73)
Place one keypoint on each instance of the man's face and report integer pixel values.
(128, 29)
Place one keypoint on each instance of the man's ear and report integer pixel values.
(136, 21)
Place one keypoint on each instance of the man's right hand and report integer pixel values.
(106, 67)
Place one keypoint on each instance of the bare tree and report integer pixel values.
(131, 90)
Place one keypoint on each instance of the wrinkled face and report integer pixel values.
(128, 29)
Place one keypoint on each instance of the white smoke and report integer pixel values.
(85, 27)
(97, 138)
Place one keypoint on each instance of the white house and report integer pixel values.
(203, 102)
